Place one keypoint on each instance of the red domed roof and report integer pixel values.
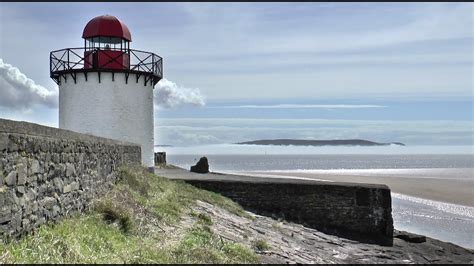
(108, 26)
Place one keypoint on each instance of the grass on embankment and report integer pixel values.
(125, 226)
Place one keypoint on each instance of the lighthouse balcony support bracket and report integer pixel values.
(70, 61)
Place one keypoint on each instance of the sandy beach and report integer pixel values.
(446, 190)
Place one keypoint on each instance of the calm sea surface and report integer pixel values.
(444, 221)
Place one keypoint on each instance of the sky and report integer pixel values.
(244, 71)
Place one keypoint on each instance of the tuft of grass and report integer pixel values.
(205, 219)
(261, 245)
(278, 227)
(200, 244)
(113, 212)
(240, 253)
(134, 180)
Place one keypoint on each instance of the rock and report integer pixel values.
(25, 222)
(11, 178)
(3, 142)
(32, 179)
(20, 189)
(12, 147)
(201, 167)
(67, 189)
(74, 185)
(55, 158)
(35, 167)
(56, 210)
(410, 237)
(20, 201)
(5, 215)
(48, 202)
(28, 209)
(70, 169)
(21, 168)
(58, 184)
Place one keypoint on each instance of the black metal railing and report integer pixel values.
(74, 60)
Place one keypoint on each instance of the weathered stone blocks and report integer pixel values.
(358, 211)
(47, 173)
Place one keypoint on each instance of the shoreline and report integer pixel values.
(454, 191)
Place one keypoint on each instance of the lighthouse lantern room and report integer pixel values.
(111, 38)
(106, 88)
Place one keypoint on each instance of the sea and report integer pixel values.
(444, 221)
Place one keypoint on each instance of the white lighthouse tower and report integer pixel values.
(106, 88)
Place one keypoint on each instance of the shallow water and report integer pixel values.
(444, 221)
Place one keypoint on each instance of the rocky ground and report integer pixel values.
(285, 242)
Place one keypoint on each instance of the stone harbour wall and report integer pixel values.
(362, 212)
(48, 173)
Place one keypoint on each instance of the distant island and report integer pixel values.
(303, 142)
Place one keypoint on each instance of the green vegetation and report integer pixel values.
(114, 213)
(261, 245)
(201, 245)
(168, 199)
(206, 219)
(124, 226)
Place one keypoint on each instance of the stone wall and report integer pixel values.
(47, 173)
(357, 211)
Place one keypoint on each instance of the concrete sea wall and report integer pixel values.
(47, 173)
(357, 211)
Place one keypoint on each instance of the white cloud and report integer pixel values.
(298, 106)
(198, 131)
(254, 31)
(169, 95)
(17, 91)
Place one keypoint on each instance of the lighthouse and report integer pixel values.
(106, 88)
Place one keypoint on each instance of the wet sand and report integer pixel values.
(450, 191)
